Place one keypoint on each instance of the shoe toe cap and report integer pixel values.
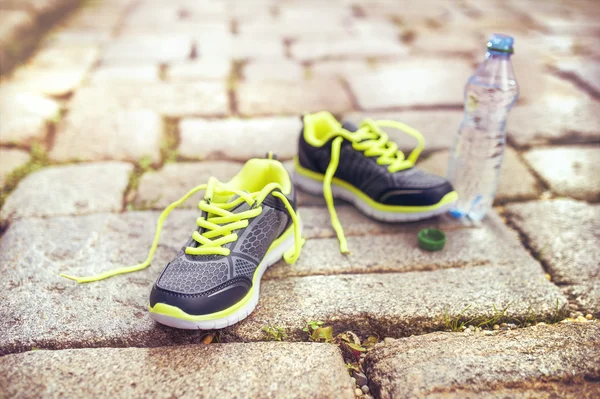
(217, 299)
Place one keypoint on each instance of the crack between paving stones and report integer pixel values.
(577, 81)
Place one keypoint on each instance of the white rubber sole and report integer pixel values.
(315, 187)
(272, 257)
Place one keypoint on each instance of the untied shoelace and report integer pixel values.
(374, 142)
(218, 225)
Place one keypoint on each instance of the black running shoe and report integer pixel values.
(246, 225)
(362, 166)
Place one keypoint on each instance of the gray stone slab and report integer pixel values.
(25, 115)
(383, 248)
(157, 189)
(125, 73)
(213, 139)
(56, 69)
(69, 190)
(205, 69)
(10, 160)
(438, 127)
(253, 370)
(561, 115)
(148, 48)
(543, 361)
(585, 69)
(44, 310)
(176, 99)
(347, 47)
(15, 25)
(414, 82)
(268, 98)
(274, 70)
(516, 181)
(565, 234)
(126, 135)
(400, 304)
(569, 171)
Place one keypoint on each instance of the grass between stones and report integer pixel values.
(460, 323)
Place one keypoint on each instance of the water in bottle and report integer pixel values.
(478, 149)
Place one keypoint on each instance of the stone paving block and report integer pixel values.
(347, 47)
(167, 18)
(44, 310)
(10, 160)
(565, 233)
(569, 171)
(263, 98)
(25, 115)
(253, 370)
(314, 10)
(254, 47)
(383, 248)
(416, 14)
(147, 48)
(339, 68)
(97, 18)
(536, 83)
(438, 127)
(415, 82)
(54, 82)
(56, 70)
(268, 26)
(555, 118)
(158, 189)
(585, 69)
(516, 182)
(125, 73)
(448, 42)
(273, 70)
(65, 37)
(239, 139)
(15, 25)
(240, 47)
(60, 56)
(543, 361)
(127, 135)
(205, 69)
(400, 304)
(562, 25)
(69, 190)
(175, 99)
(375, 28)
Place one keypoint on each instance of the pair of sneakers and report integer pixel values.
(252, 221)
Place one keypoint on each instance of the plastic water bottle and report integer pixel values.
(478, 149)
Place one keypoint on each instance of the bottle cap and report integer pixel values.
(502, 43)
(431, 239)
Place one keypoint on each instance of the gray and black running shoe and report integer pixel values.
(246, 225)
(362, 166)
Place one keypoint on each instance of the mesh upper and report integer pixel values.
(364, 173)
(194, 275)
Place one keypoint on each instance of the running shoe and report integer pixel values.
(363, 166)
(246, 225)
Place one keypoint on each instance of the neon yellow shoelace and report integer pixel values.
(374, 142)
(219, 225)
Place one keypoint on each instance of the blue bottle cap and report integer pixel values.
(500, 42)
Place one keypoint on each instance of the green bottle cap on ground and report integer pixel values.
(432, 239)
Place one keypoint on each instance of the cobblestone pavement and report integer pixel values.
(130, 102)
